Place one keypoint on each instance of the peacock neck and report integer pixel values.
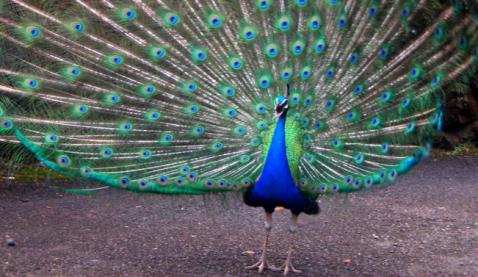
(276, 168)
(276, 186)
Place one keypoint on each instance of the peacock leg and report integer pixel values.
(262, 264)
(287, 266)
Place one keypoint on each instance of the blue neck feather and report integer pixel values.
(276, 186)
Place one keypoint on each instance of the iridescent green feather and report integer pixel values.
(131, 95)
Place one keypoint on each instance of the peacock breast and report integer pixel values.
(294, 138)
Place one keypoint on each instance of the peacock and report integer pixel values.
(281, 100)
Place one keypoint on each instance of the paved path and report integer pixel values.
(424, 225)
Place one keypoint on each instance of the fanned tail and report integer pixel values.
(178, 96)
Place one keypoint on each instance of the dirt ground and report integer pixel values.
(426, 224)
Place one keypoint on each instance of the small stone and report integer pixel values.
(10, 242)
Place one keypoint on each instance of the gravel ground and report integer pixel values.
(424, 225)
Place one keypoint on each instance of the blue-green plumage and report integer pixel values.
(132, 93)
(276, 186)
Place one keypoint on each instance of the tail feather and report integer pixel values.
(177, 96)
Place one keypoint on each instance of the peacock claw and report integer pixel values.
(287, 266)
(261, 265)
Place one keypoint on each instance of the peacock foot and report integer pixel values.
(261, 265)
(287, 266)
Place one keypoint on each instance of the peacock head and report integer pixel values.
(282, 105)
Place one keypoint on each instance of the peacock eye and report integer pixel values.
(32, 83)
(78, 26)
(130, 14)
(159, 53)
(33, 31)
